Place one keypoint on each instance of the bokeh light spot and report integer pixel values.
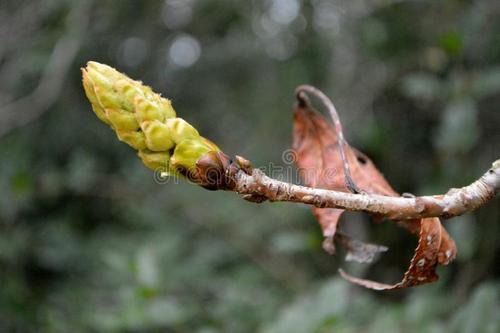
(284, 11)
(184, 51)
(133, 51)
(176, 14)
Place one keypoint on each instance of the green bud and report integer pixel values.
(108, 98)
(145, 121)
(122, 120)
(209, 144)
(147, 109)
(167, 108)
(128, 92)
(88, 86)
(134, 139)
(181, 130)
(155, 160)
(158, 137)
(187, 152)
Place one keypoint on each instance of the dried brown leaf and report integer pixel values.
(316, 147)
(358, 251)
(315, 143)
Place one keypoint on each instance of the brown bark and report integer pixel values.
(256, 186)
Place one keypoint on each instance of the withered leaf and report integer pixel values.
(359, 251)
(423, 264)
(316, 147)
(315, 143)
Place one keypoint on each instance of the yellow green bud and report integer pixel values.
(88, 86)
(181, 130)
(158, 137)
(209, 144)
(145, 121)
(128, 92)
(166, 105)
(187, 152)
(146, 109)
(134, 139)
(122, 120)
(155, 160)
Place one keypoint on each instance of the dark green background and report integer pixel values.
(89, 242)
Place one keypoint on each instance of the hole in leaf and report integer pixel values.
(361, 159)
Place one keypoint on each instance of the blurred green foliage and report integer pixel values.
(89, 242)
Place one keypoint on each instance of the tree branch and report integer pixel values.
(255, 186)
